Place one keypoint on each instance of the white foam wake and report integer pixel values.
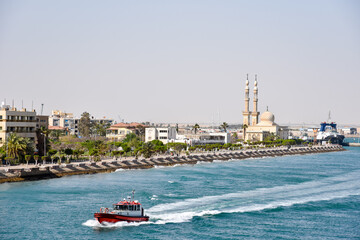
(248, 201)
(95, 224)
(259, 199)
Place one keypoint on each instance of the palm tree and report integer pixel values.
(42, 136)
(196, 127)
(29, 149)
(224, 126)
(15, 145)
(244, 126)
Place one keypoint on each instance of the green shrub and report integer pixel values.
(11, 160)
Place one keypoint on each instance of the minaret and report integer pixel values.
(255, 113)
(247, 113)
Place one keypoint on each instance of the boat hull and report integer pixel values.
(113, 218)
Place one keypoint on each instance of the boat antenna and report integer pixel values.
(133, 192)
(329, 116)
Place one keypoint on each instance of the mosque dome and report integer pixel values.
(267, 118)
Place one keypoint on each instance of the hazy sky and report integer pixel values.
(183, 61)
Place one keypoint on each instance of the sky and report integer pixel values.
(182, 61)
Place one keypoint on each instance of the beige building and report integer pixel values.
(21, 122)
(258, 131)
(119, 131)
(65, 120)
(42, 121)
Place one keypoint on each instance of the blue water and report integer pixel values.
(293, 197)
(352, 140)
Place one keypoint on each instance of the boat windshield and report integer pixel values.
(127, 207)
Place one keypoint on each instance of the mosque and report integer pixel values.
(258, 131)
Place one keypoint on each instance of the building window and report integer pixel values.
(163, 131)
(163, 138)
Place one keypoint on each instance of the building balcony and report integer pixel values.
(18, 131)
(10, 120)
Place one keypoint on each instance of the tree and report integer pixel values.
(85, 124)
(29, 149)
(158, 146)
(27, 159)
(224, 126)
(271, 137)
(99, 129)
(2, 154)
(244, 126)
(125, 147)
(95, 148)
(234, 137)
(140, 131)
(52, 152)
(196, 127)
(42, 136)
(17, 146)
(44, 158)
(147, 149)
(129, 137)
(68, 151)
(36, 158)
(56, 134)
(178, 147)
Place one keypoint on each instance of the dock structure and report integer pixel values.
(33, 172)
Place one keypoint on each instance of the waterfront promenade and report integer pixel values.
(34, 172)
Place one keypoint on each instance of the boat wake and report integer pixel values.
(95, 224)
(259, 199)
(249, 201)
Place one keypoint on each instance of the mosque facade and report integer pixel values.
(255, 130)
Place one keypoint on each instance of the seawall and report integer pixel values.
(55, 171)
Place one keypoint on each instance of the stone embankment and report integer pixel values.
(16, 174)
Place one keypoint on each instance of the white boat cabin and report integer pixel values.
(128, 208)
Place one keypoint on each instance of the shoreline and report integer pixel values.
(26, 173)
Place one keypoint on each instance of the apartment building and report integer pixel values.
(65, 120)
(21, 122)
(42, 121)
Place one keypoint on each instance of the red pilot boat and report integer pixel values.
(127, 210)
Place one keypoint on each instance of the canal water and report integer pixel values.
(293, 197)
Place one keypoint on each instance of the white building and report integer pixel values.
(163, 134)
(211, 138)
(22, 122)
